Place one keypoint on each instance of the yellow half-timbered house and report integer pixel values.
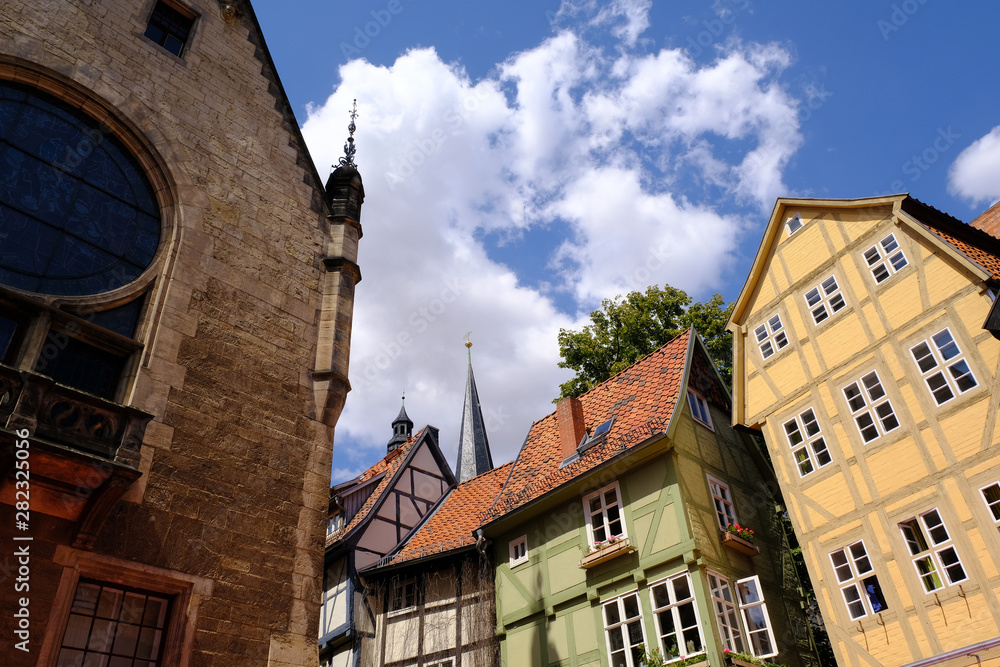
(860, 352)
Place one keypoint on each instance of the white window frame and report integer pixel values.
(932, 550)
(447, 662)
(621, 626)
(673, 608)
(607, 521)
(771, 336)
(722, 502)
(854, 574)
(870, 407)
(791, 225)
(760, 632)
(993, 506)
(943, 367)
(522, 544)
(699, 409)
(726, 612)
(885, 259)
(824, 300)
(805, 439)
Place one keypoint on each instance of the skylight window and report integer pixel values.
(602, 429)
(599, 435)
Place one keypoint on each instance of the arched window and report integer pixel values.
(78, 219)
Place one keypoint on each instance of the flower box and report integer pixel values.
(605, 554)
(737, 543)
(741, 663)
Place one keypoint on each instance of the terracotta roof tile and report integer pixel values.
(452, 525)
(989, 260)
(970, 240)
(388, 464)
(641, 399)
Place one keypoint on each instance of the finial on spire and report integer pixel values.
(349, 148)
(468, 345)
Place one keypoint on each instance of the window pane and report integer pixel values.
(854, 398)
(952, 565)
(76, 364)
(874, 592)
(922, 355)
(873, 386)
(963, 376)
(860, 556)
(110, 603)
(77, 631)
(792, 431)
(660, 597)
(102, 634)
(631, 606)
(611, 615)
(681, 589)
(126, 639)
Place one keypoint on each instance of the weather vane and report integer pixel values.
(349, 148)
(468, 344)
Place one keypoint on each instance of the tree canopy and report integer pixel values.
(626, 329)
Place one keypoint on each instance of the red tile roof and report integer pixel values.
(989, 259)
(388, 464)
(452, 525)
(970, 240)
(641, 398)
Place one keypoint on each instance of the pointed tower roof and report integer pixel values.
(402, 428)
(474, 456)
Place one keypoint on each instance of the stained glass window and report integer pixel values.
(77, 215)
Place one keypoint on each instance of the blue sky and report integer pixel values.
(524, 160)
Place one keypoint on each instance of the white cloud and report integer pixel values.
(975, 173)
(640, 156)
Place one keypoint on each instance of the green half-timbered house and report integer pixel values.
(610, 533)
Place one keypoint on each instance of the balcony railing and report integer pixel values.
(64, 416)
(85, 450)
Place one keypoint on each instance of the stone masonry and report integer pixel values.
(236, 461)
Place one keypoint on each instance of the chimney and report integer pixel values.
(569, 418)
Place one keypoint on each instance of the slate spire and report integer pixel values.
(474, 456)
(402, 428)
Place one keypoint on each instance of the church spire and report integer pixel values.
(473, 448)
(402, 428)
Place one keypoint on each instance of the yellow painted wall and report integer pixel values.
(939, 456)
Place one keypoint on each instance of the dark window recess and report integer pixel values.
(8, 330)
(874, 593)
(169, 28)
(76, 364)
(122, 320)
